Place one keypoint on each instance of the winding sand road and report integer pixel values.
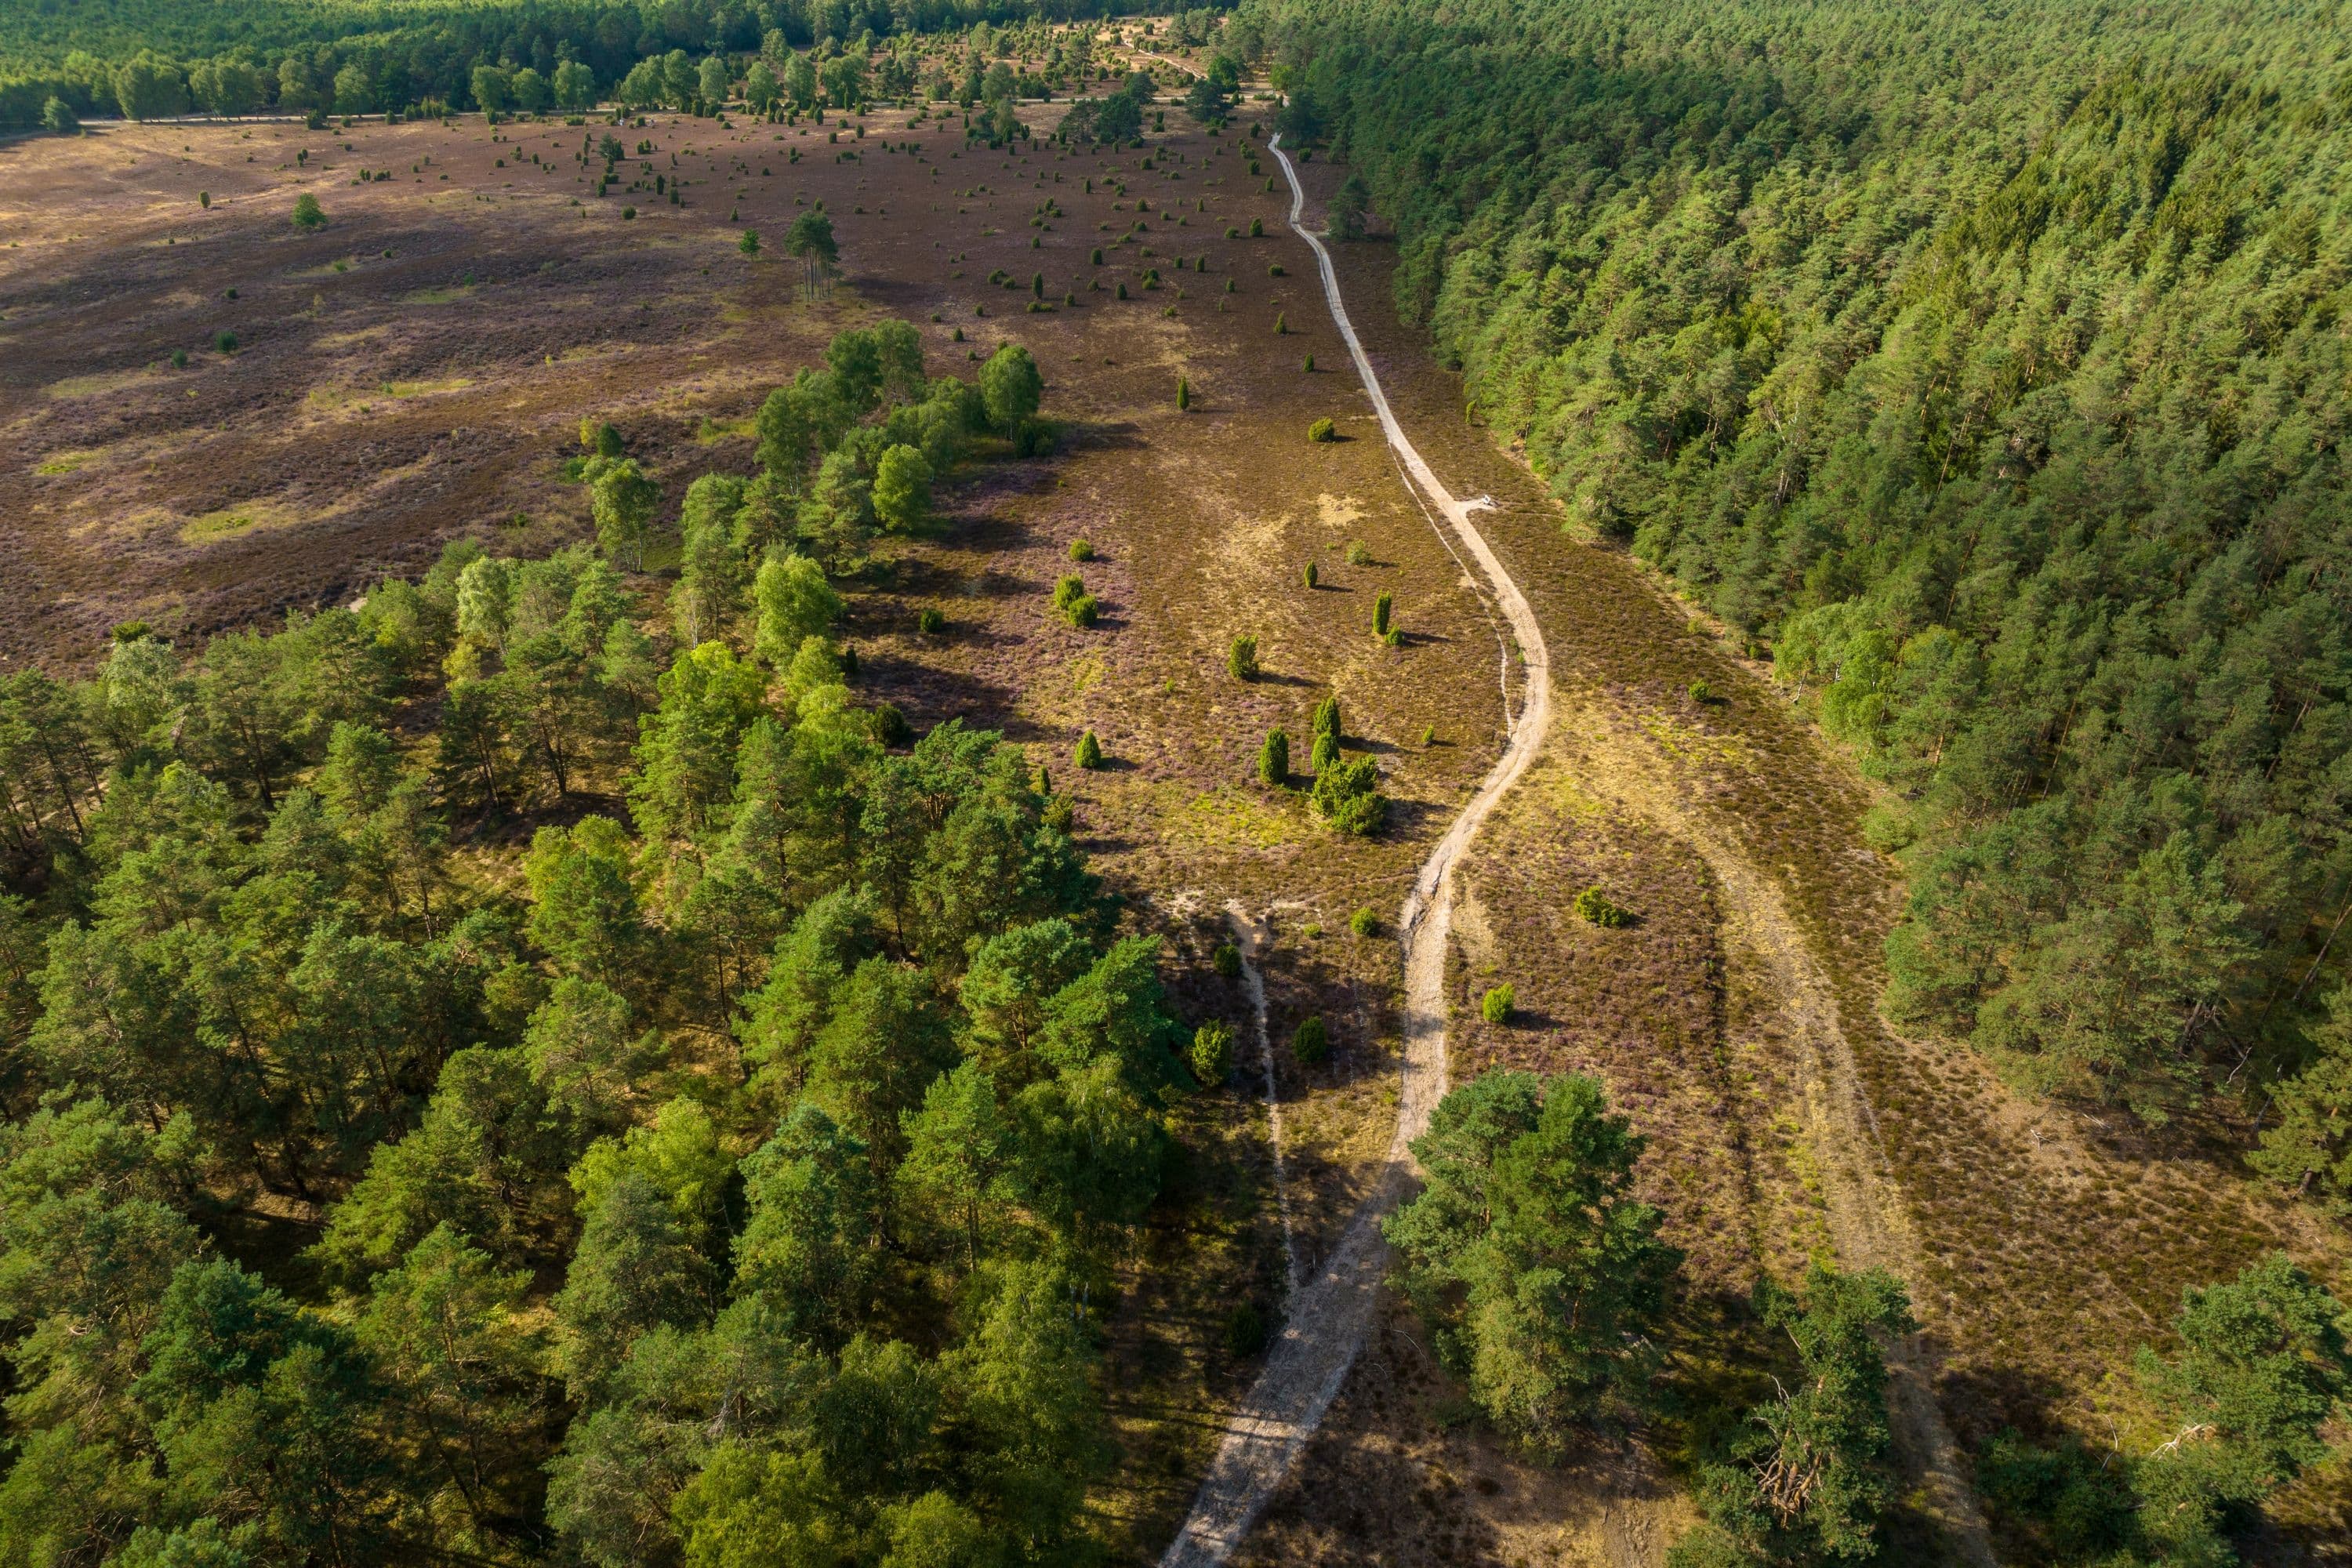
(1329, 1317)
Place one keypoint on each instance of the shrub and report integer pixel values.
(1082, 612)
(1428, 735)
(1322, 432)
(1274, 758)
(1324, 752)
(1593, 905)
(1212, 1056)
(1495, 1006)
(307, 213)
(1393, 636)
(1347, 796)
(890, 725)
(1183, 394)
(628, 214)
(1244, 1331)
(1241, 658)
(1226, 960)
(179, 359)
(1082, 550)
(1096, 258)
(1700, 691)
(1309, 575)
(1359, 553)
(1327, 717)
(1257, 227)
(1381, 605)
(1089, 753)
(1281, 324)
(1274, 269)
(1309, 365)
(1067, 591)
(1363, 923)
(1311, 1041)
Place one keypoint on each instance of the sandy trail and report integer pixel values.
(1330, 1314)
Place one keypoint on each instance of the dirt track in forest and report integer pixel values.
(1325, 1323)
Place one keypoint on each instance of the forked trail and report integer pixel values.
(1330, 1314)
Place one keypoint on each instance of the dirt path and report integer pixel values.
(1328, 1319)
(1249, 939)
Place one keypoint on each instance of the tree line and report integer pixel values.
(733, 1169)
(148, 61)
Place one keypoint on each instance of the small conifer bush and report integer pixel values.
(1594, 905)
(1495, 1006)
(1241, 658)
(1274, 759)
(1212, 1056)
(1311, 1041)
(1089, 755)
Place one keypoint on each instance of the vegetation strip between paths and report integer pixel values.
(1325, 1322)
(1250, 937)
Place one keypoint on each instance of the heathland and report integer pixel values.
(715, 723)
